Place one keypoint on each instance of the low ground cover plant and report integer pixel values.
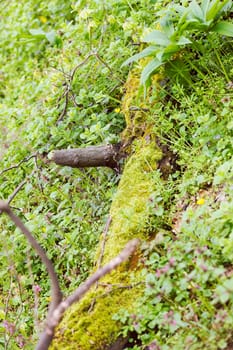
(61, 85)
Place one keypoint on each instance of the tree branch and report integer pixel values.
(105, 232)
(17, 165)
(18, 188)
(92, 156)
(56, 316)
(55, 288)
(58, 307)
(70, 77)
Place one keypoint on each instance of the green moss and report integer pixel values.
(129, 209)
(85, 329)
(81, 328)
(135, 106)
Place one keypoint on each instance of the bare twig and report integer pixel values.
(58, 313)
(70, 77)
(17, 165)
(38, 175)
(18, 188)
(63, 113)
(57, 306)
(72, 96)
(105, 232)
(115, 286)
(67, 85)
(80, 65)
(109, 68)
(55, 288)
(92, 156)
(99, 262)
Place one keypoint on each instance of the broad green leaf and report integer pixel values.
(180, 9)
(184, 41)
(196, 10)
(37, 32)
(223, 28)
(165, 55)
(216, 7)
(157, 37)
(51, 36)
(198, 25)
(149, 69)
(149, 51)
(182, 22)
(168, 28)
(189, 24)
(172, 48)
(205, 6)
(160, 55)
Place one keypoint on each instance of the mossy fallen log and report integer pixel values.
(89, 324)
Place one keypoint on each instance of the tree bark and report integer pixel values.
(93, 156)
(119, 344)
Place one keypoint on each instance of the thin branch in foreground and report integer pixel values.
(70, 77)
(58, 307)
(18, 188)
(64, 111)
(105, 232)
(55, 288)
(56, 316)
(18, 165)
(109, 68)
(38, 175)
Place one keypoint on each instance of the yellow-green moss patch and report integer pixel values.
(89, 324)
(81, 328)
(129, 209)
(85, 329)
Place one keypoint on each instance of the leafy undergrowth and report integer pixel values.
(188, 265)
(61, 85)
(42, 108)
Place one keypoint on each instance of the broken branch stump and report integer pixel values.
(93, 156)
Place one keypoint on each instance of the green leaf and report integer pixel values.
(168, 28)
(37, 32)
(228, 284)
(149, 69)
(216, 8)
(189, 24)
(204, 7)
(171, 49)
(184, 12)
(157, 37)
(167, 286)
(184, 41)
(224, 297)
(51, 37)
(196, 10)
(144, 53)
(223, 28)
